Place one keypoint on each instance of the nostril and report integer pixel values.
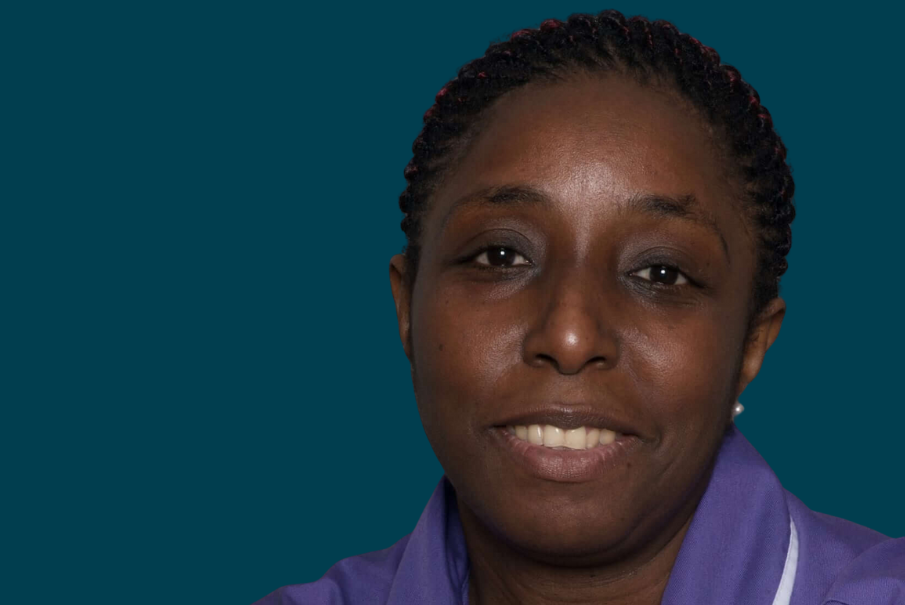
(542, 359)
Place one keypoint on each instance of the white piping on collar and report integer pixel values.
(787, 581)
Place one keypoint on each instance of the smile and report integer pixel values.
(548, 435)
(577, 455)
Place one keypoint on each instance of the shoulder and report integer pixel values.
(365, 578)
(874, 577)
(430, 565)
(847, 563)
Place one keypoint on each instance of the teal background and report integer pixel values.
(204, 395)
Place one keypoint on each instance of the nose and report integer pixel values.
(573, 326)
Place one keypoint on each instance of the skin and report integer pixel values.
(572, 320)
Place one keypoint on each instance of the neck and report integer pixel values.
(502, 574)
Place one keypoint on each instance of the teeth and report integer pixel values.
(576, 438)
(553, 436)
(593, 438)
(607, 437)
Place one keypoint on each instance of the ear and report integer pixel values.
(401, 290)
(763, 334)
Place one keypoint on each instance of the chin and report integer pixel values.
(574, 527)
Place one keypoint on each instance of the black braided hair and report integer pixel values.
(646, 51)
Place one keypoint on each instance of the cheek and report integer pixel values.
(685, 372)
(461, 348)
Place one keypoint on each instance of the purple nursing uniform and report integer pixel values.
(750, 542)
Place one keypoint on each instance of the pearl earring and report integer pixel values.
(737, 409)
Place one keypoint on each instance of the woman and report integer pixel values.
(598, 214)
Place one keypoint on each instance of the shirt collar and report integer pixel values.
(434, 567)
(739, 534)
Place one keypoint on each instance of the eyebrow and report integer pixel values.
(506, 196)
(685, 207)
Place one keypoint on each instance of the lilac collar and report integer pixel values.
(741, 533)
(750, 542)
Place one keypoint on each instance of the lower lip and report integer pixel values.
(568, 466)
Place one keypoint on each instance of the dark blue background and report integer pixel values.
(204, 393)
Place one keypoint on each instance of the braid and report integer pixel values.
(608, 42)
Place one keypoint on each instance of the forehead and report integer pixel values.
(588, 143)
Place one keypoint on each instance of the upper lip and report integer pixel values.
(570, 416)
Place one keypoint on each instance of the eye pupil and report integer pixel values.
(501, 256)
(664, 275)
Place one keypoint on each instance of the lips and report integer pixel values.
(569, 417)
(564, 465)
(560, 462)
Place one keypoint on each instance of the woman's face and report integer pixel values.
(547, 295)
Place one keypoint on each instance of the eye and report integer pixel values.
(662, 274)
(500, 257)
